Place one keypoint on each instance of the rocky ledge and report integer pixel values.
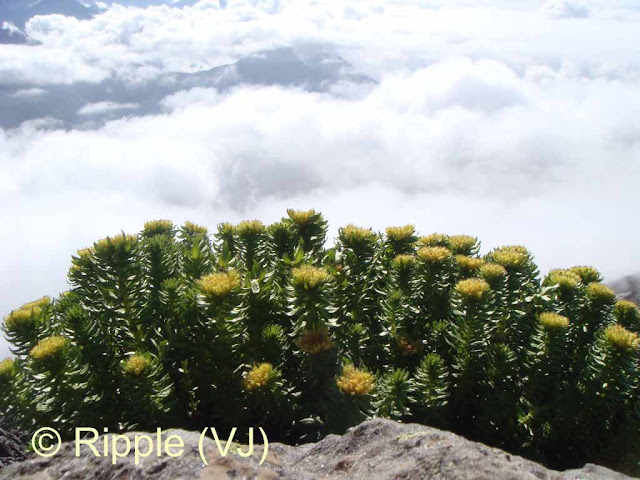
(11, 446)
(376, 449)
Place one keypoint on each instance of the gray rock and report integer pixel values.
(376, 449)
(11, 447)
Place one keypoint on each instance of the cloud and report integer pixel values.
(28, 93)
(377, 37)
(565, 9)
(106, 107)
(491, 119)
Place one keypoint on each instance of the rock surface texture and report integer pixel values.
(376, 449)
(11, 447)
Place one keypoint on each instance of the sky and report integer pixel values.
(513, 121)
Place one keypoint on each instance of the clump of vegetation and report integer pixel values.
(266, 325)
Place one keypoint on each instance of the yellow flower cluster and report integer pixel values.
(137, 365)
(469, 264)
(26, 313)
(250, 227)
(625, 309)
(401, 234)
(219, 285)
(566, 279)
(309, 277)
(258, 377)
(434, 254)
(355, 382)
(586, 273)
(353, 234)
(40, 303)
(551, 320)
(301, 217)
(622, 338)
(314, 341)
(434, 240)
(48, 348)
(472, 288)
(195, 229)
(85, 252)
(158, 227)
(123, 241)
(402, 262)
(462, 243)
(492, 271)
(513, 256)
(6, 368)
(600, 293)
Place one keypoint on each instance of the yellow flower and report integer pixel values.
(403, 262)
(566, 279)
(434, 254)
(492, 271)
(111, 244)
(600, 293)
(6, 368)
(469, 264)
(194, 229)
(48, 348)
(551, 320)
(472, 288)
(219, 285)
(462, 244)
(309, 277)
(625, 309)
(355, 382)
(26, 314)
(18, 318)
(314, 341)
(620, 337)
(434, 240)
(250, 228)
(84, 252)
(301, 217)
(355, 235)
(137, 365)
(587, 274)
(158, 227)
(401, 234)
(40, 303)
(258, 377)
(513, 256)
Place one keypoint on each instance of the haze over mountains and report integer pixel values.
(87, 105)
(19, 11)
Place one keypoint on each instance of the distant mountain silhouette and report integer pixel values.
(18, 12)
(9, 33)
(317, 72)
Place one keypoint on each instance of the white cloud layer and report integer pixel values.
(106, 107)
(513, 121)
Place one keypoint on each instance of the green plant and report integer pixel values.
(266, 325)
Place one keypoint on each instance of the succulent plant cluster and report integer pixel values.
(266, 326)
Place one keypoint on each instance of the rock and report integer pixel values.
(11, 447)
(375, 450)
